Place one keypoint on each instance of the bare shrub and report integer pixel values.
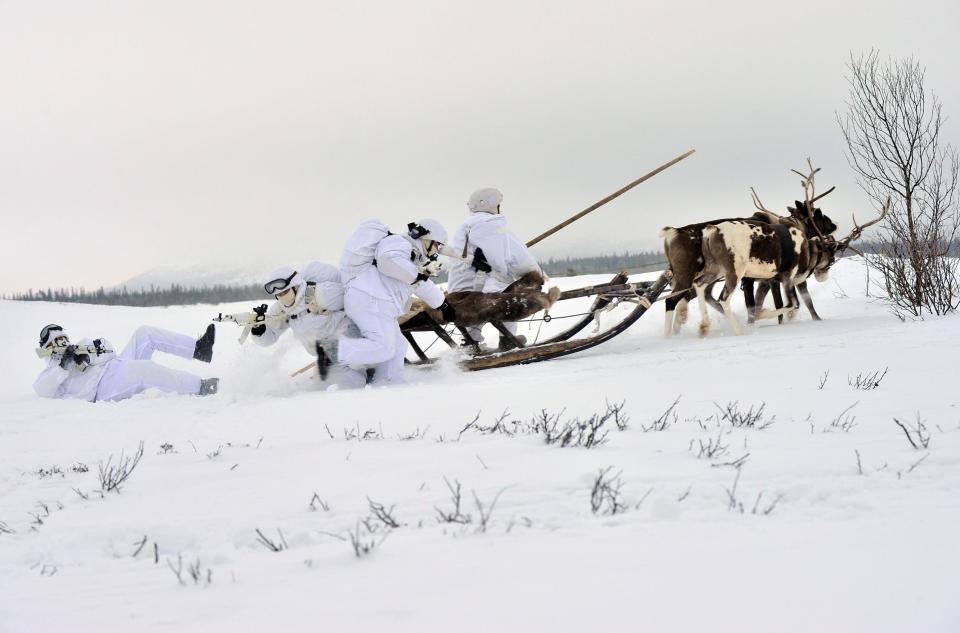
(6, 529)
(113, 475)
(867, 381)
(605, 495)
(381, 514)
(363, 541)
(44, 473)
(455, 515)
(843, 422)
(194, 570)
(417, 434)
(712, 448)
(734, 504)
(918, 435)
(666, 418)
(587, 433)
(552, 426)
(483, 513)
(273, 546)
(139, 545)
(739, 418)
(620, 419)
(735, 463)
(823, 379)
(317, 502)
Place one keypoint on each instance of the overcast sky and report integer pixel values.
(143, 134)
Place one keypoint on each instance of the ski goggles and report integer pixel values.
(47, 330)
(275, 286)
(416, 231)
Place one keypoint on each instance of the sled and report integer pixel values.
(643, 294)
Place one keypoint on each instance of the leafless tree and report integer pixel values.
(893, 129)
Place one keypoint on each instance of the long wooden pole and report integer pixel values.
(599, 204)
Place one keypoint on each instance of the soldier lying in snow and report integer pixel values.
(90, 370)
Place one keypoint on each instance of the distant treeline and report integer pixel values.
(177, 294)
(569, 266)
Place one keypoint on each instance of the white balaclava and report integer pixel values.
(485, 200)
(296, 282)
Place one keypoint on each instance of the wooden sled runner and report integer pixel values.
(642, 294)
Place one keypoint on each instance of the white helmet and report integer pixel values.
(283, 279)
(51, 333)
(428, 230)
(485, 200)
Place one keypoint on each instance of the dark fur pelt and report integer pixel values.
(521, 299)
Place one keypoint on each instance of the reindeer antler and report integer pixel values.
(859, 228)
(757, 203)
(809, 191)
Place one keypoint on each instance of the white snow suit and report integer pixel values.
(328, 323)
(506, 253)
(119, 376)
(376, 297)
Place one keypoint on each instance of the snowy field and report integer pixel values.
(836, 523)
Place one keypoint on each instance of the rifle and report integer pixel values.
(248, 320)
(58, 350)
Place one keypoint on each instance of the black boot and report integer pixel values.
(506, 344)
(323, 362)
(203, 351)
(209, 386)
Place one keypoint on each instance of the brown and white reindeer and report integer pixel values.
(737, 249)
(684, 251)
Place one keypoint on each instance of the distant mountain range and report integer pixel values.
(250, 271)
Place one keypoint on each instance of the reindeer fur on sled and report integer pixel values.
(521, 299)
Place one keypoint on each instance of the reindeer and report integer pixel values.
(683, 248)
(819, 230)
(736, 249)
(824, 248)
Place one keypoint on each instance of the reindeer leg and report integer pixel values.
(713, 303)
(777, 303)
(732, 281)
(702, 304)
(668, 320)
(802, 287)
(748, 298)
(677, 306)
(682, 310)
(761, 295)
(794, 303)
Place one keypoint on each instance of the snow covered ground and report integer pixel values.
(829, 546)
